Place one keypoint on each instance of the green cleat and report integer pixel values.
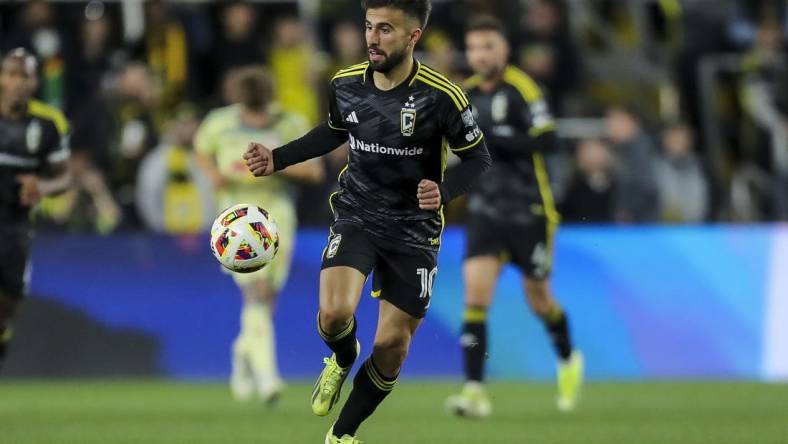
(345, 439)
(326, 392)
(570, 379)
(472, 402)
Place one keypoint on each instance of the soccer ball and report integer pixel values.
(244, 238)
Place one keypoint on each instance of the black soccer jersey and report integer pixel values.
(30, 145)
(397, 138)
(514, 118)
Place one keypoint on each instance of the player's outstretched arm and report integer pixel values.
(262, 161)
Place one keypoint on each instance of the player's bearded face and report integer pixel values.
(388, 38)
(384, 61)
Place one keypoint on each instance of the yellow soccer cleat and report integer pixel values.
(570, 380)
(472, 402)
(326, 392)
(345, 439)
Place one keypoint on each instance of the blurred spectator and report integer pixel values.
(89, 59)
(547, 52)
(441, 55)
(165, 51)
(37, 30)
(347, 46)
(173, 194)
(240, 43)
(116, 129)
(88, 206)
(683, 187)
(294, 63)
(591, 192)
(765, 98)
(136, 133)
(636, 185)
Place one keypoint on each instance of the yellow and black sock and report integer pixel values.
(474, 342)
(557, 326)
(370, 388)
(343, 343)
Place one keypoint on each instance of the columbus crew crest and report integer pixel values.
(408, 117)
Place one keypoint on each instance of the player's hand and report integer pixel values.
(429, 195)
(29, 192)
(259, 159)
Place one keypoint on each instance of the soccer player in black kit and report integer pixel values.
(399, 117)
(33, 156)
(511, 214)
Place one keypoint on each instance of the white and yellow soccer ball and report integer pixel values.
(244, 238)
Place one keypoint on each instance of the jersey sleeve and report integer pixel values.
(57, 149)
(460, 127)
(530, 104)
(335, 121)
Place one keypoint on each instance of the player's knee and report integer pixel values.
(539, 298)
(390, 352)
(335, 318)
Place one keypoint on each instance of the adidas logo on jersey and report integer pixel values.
(352, 118)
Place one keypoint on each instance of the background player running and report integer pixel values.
(511, 214)
(398, 116)
(221, 141)
(33, 163)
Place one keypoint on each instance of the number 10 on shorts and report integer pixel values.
(427, 279)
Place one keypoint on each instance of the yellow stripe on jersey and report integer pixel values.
(444, 155)
(42, 110)
(354, 70)
(444, 79)
(472, 82)
(363, 65)
(544, 189)
(331, 197)
(460, 106)
(467, 147)
(523, 83)
(538, 131)
(359, 72)
(418, 70)
(441, 82)
(530, 92)
(334, 127)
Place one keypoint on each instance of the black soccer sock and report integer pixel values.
(474, 343)
(343, 344)
(557, 326)
(370, 388)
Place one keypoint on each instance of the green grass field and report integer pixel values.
(611, 413)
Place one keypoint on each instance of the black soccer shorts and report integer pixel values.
(14, 264)
(403, 277)
(528, 246)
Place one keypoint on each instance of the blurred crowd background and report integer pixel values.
(669, 111)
